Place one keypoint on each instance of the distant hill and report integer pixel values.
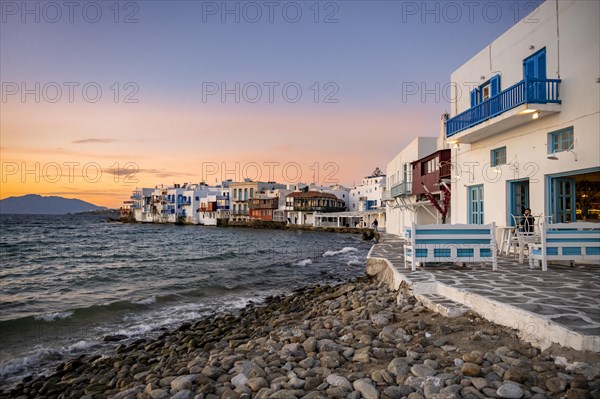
(33, 204)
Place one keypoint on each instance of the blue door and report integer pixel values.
(519, 198)
(534, 73)
(563, 198)
(475, 204)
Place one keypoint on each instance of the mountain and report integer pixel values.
(33, 204)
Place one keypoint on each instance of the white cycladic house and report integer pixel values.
(524, 126)
(402, 208)
(366, 200)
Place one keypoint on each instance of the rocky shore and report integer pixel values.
(355, 340)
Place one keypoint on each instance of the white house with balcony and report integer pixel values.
(525, 134)
(366, 200)
(402, 206)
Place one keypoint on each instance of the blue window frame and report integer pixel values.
(498, 156)
(475, 203)
(561, 140)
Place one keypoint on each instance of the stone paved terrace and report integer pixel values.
(536, 302)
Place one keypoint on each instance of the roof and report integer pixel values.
(310, 194)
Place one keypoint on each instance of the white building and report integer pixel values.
(402, 207)
(367, 200)
(526, 133)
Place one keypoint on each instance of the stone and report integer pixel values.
(517, 374)
(473, 357)
(398, 392)
(183, 382)
(159, 394)
(398, 367)
(310, 345)
(556, 384)
(114, 338)
(328, 345)
(578, 393)
(257, 383)
(421, 370)
(296, 383)
(431, 363)
(330, 359)
(366, 389)
(182, 395)
(239, 380)
(509, 390)
(380, 319)
(212, 372)
(249, 369)
(338, 381)
(479, 383)
(470, 369)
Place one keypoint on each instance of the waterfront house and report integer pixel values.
(403, 206)
(243, 192)
(366, 200)
(525, 120)
(262, 206)
(301, 206)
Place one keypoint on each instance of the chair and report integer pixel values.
(524, 236)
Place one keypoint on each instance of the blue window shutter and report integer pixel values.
(495, 85)
(473, 97)
(541, 65)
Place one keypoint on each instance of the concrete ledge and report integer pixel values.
(533, 328)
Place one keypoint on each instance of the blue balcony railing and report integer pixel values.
(528, 91)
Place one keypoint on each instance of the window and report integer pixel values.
(498, 156)
(485, 92)
(428, 166)
(561, 140)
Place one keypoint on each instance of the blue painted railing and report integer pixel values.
(532, 91)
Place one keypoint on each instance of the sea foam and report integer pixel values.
(341, 251)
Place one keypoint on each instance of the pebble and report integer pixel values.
(509, 390)
(366, 389)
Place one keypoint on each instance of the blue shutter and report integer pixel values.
(474, 96)
(495, 85)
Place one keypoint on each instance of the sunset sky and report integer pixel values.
(161, 116)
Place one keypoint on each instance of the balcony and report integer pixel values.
(318, 208)
(185, 202)
(508, 109)
(402, 188)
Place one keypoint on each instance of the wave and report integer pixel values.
(54, 316)
(304, 262)
(146, 301)
(341, 251)
(354, 262)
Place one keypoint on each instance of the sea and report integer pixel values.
(67, 282)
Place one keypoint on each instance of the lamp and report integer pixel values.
(536, 115)
(553, 156)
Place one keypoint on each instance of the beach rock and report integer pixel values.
(398, 367)
(183, 382)
(212, 372)
(257, 383)
(398, 392)
(249, 369)
(578, 393)
(239, 380)
(473, 357)
(366, 389)
(114, 338)
(421, 370)
(159, 394)
(556, 384)
(338, 381)
(509, 390)
(470, 369)
(182, 395)
(479, 383)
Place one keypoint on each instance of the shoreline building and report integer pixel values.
(302, 206)
(525, 134)
(366, 200)
(403, 205)
(243, 192)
